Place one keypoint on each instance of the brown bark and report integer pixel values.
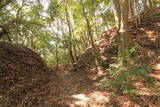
(131, 10)
(57, 58)
(88, 24)
(125, 40)
(145, 4)
(123, 15)
(69, 38)
(117, 12)
(90, 33)
(149, 3)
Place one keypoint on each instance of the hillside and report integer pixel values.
(25, 79)
(146, 34)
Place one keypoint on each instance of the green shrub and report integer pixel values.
(121, 78)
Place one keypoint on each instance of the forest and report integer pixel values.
(79, 53)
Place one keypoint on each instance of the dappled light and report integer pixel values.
(151, 35)
(94, 99)
(156, 66)
(83, 100)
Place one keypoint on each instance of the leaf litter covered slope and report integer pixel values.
(25, 80)
(146, 34)
(82, 85)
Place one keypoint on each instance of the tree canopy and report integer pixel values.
(61, 30)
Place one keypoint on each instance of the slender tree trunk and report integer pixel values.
(131, 10)
(149, 3)
(79, 50)
(84, 43)
(68, 47)
(88, 24)
(74, 47)
(95, 23)
(89, 33)
(145, 4)
(86, 39)
(71, 20)
(70, 37)
(75, 52)
(122, 7)
(125, 40)
(57, 58)
(31, 41)
(137, 20)
(117, 12)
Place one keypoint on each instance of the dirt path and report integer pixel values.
(81, 90)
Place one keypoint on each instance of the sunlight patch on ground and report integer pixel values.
(82, 99)
(149, 91)
(144, 91)
(157, 76)
(158, 24)
(104, 57)
(156, 66)
(101, 73)
(151, 35)
(94, 99)
(99, 96)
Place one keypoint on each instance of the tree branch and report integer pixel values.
(5, 27)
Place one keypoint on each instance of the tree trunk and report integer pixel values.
(69, 38)
(145, 4)
(89, 32)
(149, 3)
(117, 12)
(125, 40)
(121, 9)
(131, 10)
(88, 24)
(57, 58)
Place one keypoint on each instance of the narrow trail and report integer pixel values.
(81, 90)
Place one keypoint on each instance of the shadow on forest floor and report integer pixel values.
(81, 90)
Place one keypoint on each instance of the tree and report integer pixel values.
(121, 11)
(89, 32)
(147, 4)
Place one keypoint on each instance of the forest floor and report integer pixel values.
(82, 90)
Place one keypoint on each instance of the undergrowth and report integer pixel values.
(122, 76)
